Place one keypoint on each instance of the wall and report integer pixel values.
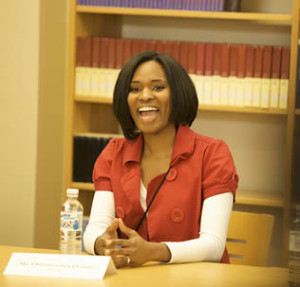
(19, 57)
(33, 81)
(51, 118)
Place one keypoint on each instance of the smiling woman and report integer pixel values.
(163, 193)
(151, 74)
(149, 98)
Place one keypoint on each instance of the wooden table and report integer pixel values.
(191, 274)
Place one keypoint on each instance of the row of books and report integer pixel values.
(224, 74)
(85, 152)
(196, 5)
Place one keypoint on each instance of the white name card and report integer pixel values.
(59, 265)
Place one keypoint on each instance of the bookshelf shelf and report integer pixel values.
(242, 197)
(259, 199)
(230, 109)
(266, 18)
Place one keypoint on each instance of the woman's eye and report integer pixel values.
(134, 89)
(158, 88)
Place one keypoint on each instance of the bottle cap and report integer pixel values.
(72, 192)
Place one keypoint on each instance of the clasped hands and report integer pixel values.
(133, 251)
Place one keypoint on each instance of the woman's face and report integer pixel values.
(149, 98)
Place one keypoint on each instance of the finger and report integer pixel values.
(99, 245)
(126, 230)
(113, 227)
(117, 251)
(121, 261)
(117, 242)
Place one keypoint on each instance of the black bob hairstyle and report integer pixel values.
(183, 95)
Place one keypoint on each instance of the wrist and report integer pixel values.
(159, 252)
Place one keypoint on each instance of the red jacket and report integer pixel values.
(201, 167)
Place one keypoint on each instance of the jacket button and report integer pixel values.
(120, 212)
(177, 215)
(172, 174)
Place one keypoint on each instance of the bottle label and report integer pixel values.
(71, 221)
(294, 244)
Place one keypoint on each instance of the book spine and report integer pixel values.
(200, 67)
(284, 79)
(168, 48)
(225, 49)
(110, 72)
(87, 61)
(248, 82)
(266, 77)
(233, 59)
(216, 89)
(79, 66)
(184, 55)
(127, 50)
(103, 67)
(95, 89)
(192, 61)
(258, 54)
(275, 76)
(240, 93)
(176, 50)
(208, 84)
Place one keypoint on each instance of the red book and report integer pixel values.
(95, 52)
(233, 61)
(276, 62)
(103, 52)
(209, 59)
(217, 60)
(200, 55)
(143, 45)
(87, 51)
(168, 48)
(249, 61)
(151, 45)
(159, 47)
(183, 56)
(267, 58)
(176, 50)
(225, 49)
(127, 50)
(192, 58)
(79, 52)
(241, 61)
(111, 53)
(119, 54)
(285, 63)
(258, 56)
(135, 46)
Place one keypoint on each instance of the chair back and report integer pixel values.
(249, 237)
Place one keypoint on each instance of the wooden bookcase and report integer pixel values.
(270, 193)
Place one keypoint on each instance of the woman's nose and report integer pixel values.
(146, 94)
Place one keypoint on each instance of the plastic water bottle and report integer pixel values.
(71, 224)
(294, 248)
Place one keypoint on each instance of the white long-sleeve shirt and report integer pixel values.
(213, 227)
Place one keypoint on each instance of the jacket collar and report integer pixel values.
(183, 146)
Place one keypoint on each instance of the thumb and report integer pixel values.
(123, 228)
(113, 227)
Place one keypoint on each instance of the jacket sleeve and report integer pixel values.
(219, 172)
